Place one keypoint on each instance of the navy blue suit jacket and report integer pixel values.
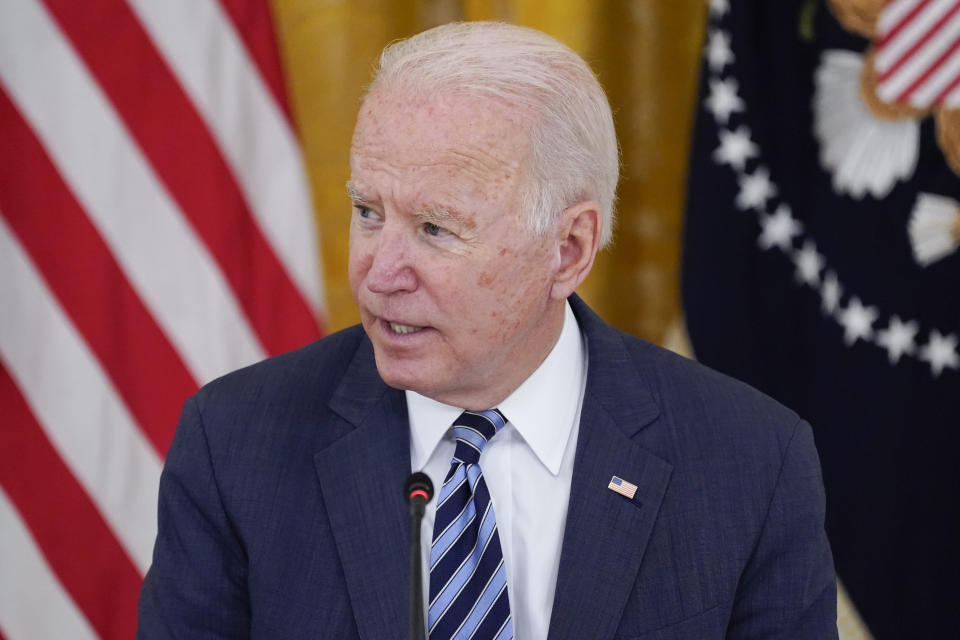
(282, 515)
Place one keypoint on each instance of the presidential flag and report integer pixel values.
(156, 231)
(821, 265)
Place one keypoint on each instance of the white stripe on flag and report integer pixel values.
(178, 280)
(893, 13)
(232, 96)
(909, 35)
(33, 604)
(76, 404)
(938, 81)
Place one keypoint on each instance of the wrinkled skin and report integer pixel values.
(460, 301)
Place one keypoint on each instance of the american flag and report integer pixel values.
(155, 232)
(918, 53)
(621, 486)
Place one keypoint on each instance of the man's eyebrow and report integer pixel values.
(355, 194)
(436, 214)
(444, 216)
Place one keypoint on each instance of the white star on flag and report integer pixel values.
(857, 321)
(723, 99)
(830, 292)
(735, 148)
(719, 7)
(755, 190)
(940, 352)
(779, 229)
(898, 338)
(719, 53)
(809, 262)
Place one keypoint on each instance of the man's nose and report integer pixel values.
(392, 269)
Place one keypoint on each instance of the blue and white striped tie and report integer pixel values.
(468, 583)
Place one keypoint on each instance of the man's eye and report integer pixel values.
(434, 230)
(366, 213)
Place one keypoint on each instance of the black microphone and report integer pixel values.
(418, 491)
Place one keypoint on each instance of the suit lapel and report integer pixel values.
(361, 477)
(606, 534)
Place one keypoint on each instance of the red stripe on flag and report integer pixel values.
(83, 275)
(904, 21)
(175, 139)
(905, 94)
(77, 543)
(252, 20)
(929, 33)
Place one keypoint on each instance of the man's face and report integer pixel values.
(453, 291)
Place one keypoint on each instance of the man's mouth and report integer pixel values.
(403, 329)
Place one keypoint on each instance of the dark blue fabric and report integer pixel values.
(282, 513)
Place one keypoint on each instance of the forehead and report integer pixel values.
(461, 138)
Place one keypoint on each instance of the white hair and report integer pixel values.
(573, 144)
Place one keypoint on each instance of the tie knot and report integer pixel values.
(472, 430)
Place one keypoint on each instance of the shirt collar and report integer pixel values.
(542, 409)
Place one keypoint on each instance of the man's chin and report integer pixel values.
(404, 374)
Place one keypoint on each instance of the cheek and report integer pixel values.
(525, 290)
(499, 275)
(508, 298)
(358, 263)
(516, 273)
(486, 279)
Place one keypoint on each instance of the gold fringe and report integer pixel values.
(858, 16)
(948, 138)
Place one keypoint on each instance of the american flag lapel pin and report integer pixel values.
(621, 486)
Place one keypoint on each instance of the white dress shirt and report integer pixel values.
(528, 467)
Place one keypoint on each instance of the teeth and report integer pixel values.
(403, 328)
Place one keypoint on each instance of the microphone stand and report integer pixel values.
(418, 490)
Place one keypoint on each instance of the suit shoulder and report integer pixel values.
(691, 393)
(310, 371)
(692, 398)
(272, 414)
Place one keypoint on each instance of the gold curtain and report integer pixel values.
(646, 53)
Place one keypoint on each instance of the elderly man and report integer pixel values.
(590, 485)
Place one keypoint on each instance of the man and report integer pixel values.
(625, 492)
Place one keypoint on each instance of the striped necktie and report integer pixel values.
(468, 583)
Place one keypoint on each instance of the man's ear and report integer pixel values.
(579, 229)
